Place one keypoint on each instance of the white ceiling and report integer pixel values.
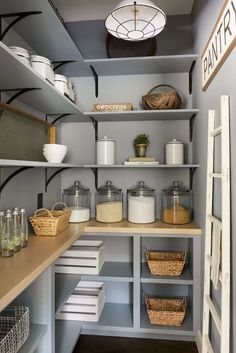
(81, 10)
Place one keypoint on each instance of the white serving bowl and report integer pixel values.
(54, 147)
(54, 157)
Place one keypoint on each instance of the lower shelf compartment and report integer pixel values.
(35, 335)
(67, 334)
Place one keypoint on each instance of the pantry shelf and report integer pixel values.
(186, 277)
(20, 163)
(114, 272)
(47, 99)
(143, 115)
(67, 334)
(64, 286)
(35, 334)
(142, 166)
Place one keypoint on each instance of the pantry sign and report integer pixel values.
(220, 43)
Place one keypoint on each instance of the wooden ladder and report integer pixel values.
(222, 258)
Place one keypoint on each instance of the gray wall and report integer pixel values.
(205, 14)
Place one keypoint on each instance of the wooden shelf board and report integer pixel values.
(113, 316)
(186, 277)
(64, 286)
(35, 335)
(161, 166)
(66, 335)
(114, 272)
(144, 115)
(185, 329)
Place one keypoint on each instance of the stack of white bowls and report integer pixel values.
(54, 153)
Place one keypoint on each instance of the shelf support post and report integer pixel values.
(19, 16)
(95, 75)
(48, 180)
(95, 172)
(60, 116)
(191, 77)
(61, 63)
(11, 176)
(95, 125)
(20, 92)
(191, 174)
(191, 123)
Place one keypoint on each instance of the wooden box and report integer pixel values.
(84, 257)
(85, 304)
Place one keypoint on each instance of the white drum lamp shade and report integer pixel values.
(135, 20)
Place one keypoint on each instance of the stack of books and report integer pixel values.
(141, 161)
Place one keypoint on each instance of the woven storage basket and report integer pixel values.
(163, 263)
(50, 223)
(14, 328)
(166, 312)
(162, 97)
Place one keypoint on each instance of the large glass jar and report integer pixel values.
(109, 206)
(177, 204)
(141, 203)
(77, 198)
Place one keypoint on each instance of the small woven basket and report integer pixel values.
(162, 97)
(166, 312)
(50, 223)
(14, 328)
(163, 263)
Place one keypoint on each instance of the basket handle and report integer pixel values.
(42, 209)
(59, 203)
(161, 85)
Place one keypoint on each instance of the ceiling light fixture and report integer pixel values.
(135, 20)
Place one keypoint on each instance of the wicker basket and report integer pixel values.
(163, 263)
(166, 312)
(14, 328)
(50, 223)
(162, 97)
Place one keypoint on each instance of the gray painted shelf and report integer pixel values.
(113, 316)
(144, 115)
(35, 335)
(66, 336)
(142, 166)
(186, 277)
(64, 286)
(20, 163)
(114, 272)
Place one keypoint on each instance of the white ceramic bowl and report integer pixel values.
(54, 147)
(54, 157)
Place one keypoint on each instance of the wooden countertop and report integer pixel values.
(25, 266)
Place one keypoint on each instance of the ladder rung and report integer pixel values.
(216, 132)
(208, 344)
(215, 175)
(214, 313)
(213, 219)
(209, 260)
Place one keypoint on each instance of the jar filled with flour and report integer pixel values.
(109, 203)
(77, 197)
(141, 203)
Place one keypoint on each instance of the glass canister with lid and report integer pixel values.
(177, 204)
(109, 203)
(77, 198)
(141, 203)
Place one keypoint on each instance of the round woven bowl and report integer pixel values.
(162, 97)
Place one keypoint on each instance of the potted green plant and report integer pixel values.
(141, 143)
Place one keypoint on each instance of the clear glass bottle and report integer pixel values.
(77, 198)
(177, 204)
(109, 205)
(16, 229)
(8, 243)
(1, 226)
(23, 228)
(141, 203)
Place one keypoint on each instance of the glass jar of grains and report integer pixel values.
(177, 204)
(109, 206)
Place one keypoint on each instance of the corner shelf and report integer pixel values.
(113, 272)
(35, 335)
(64, 286)
(186, 277)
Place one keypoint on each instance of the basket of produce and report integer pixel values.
(50, 222)
(162, 97)
(166, 312)
(14, 328)
(164, 263)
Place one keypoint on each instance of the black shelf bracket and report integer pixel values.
(95, 125)
(11, 176)
(61, 63)
(191, 123)
(191, 174)
(19, 16)
(20, 92)
(95, 75)
(191, 77)
(95, 172)
(59, 117)
(48, 180)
